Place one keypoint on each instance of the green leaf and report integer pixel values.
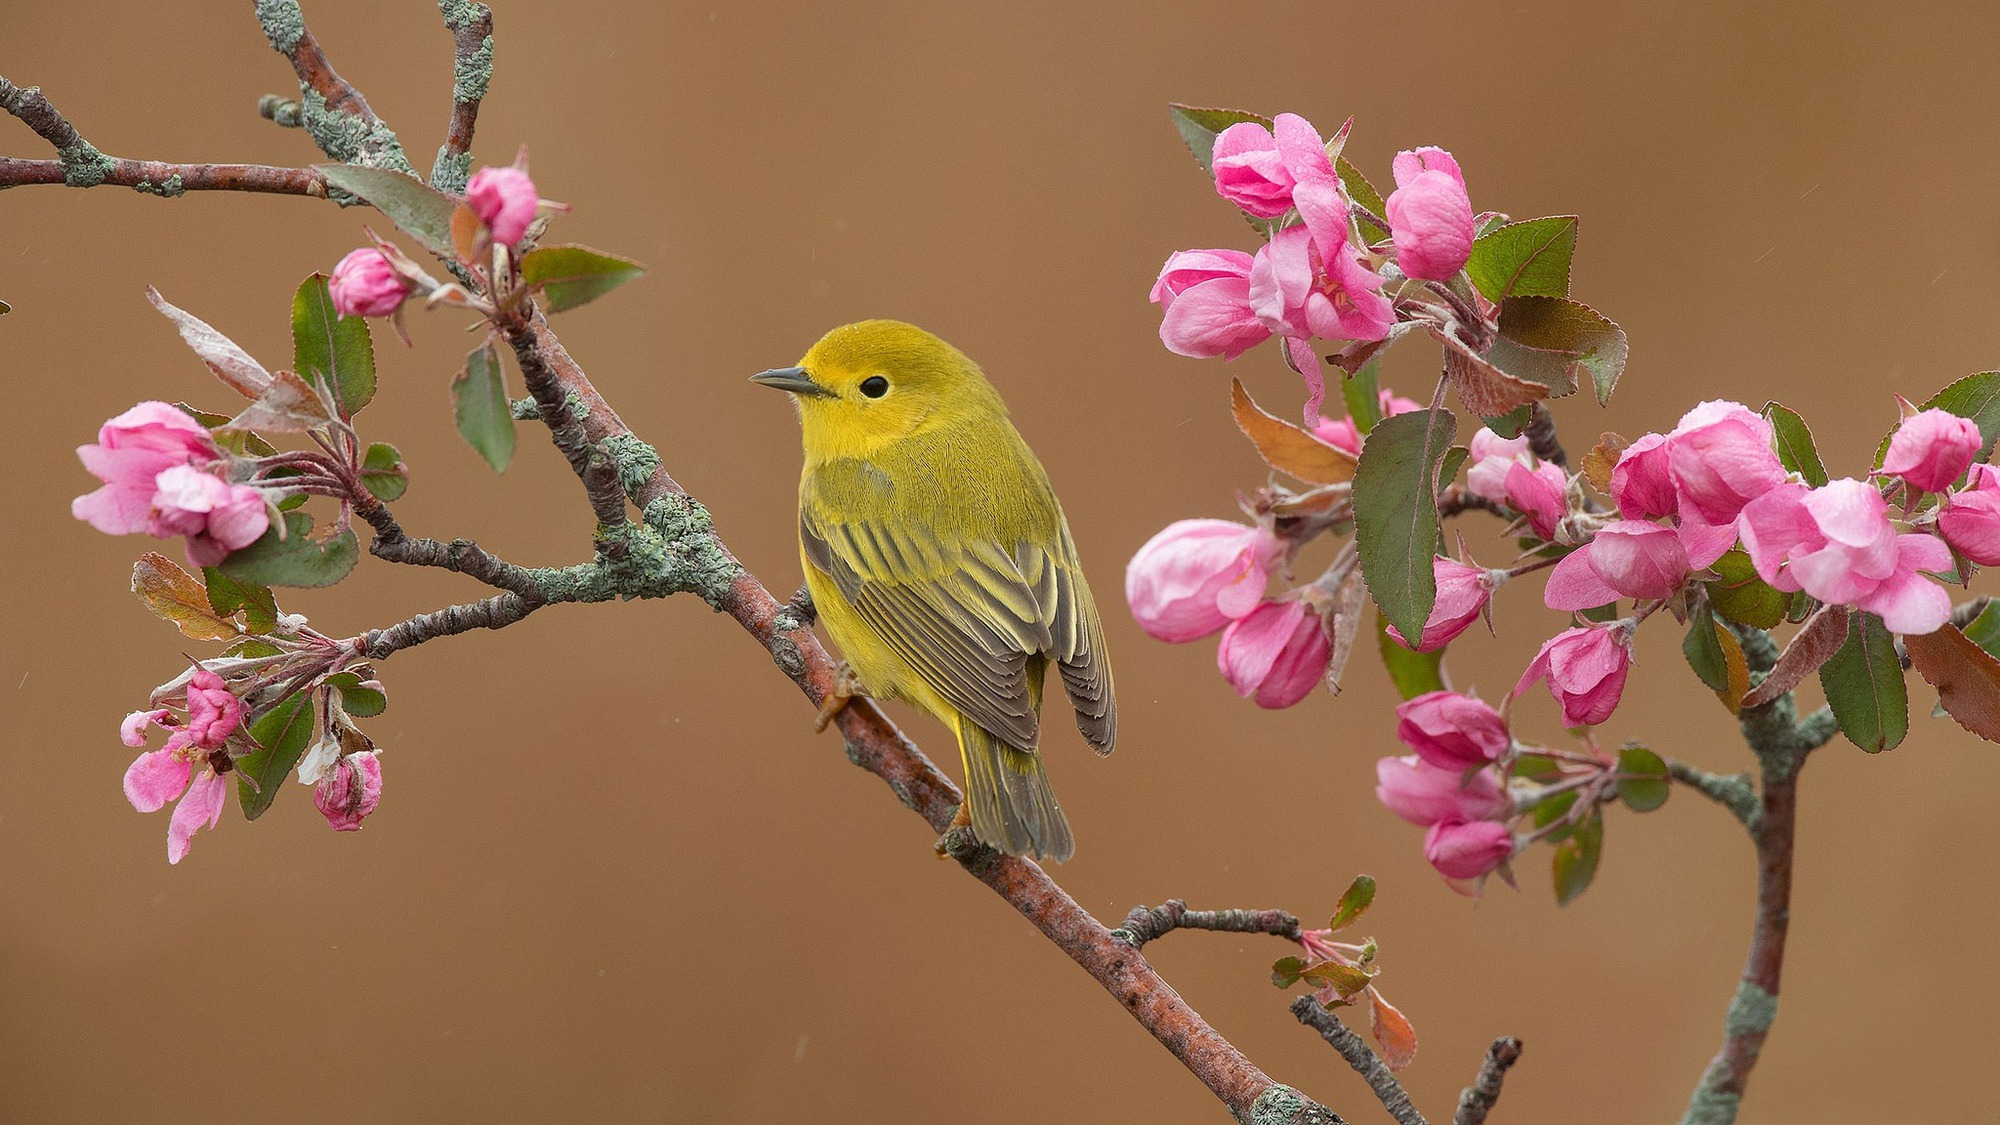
(574, 275)
(1395, 513)
(332, 350)
(1575, 863)
(282, 733)
(1525, 259)
(420, 211)
(1740, 596)
(1643, 784)
(241, 442)
(1413, 673)
(294, 559)
(1703, 649)
(1363, 397)
(1510, 424)
(1285, 971)
(383, 472)
(1198, 129)
(1984, 630)
(1795, 445)
(1864, 686)
(1556, 342)
(1346, 980)
(479, 405)
(1454, 459)
(1536, 767)
(1363, 193)
(1552, 810)
(226, 595)
(1353, 902)
(358, 699)
(1976, 397)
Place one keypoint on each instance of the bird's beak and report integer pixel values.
(793, 379)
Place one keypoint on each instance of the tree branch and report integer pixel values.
(461, 556)
(330, 108)
(496, 612)
(1476, 1100)
(1358, 1055)
(471, 26)
(1146, 923)
(1734, 792)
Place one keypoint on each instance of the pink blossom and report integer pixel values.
(1627, 559)
(1342, 433)
(1585, 668)
(1969, 519)
(350, 790)
(200, 808)
(156, 777)
(1541, 494)
(1204, 299)
(217, 517)
(132, 732)
(1424, 795)
(365, 284)
(505, 200)
(1197, 576)
(1642, 483)
(214, 712)
(1461, 850)
(1430, 214)
(1301, 291)
(1276, 653)
(1490, 457)
(1932, 449)
(1837, 544)
(1249, 171)
(1721, 458)
(1462, 593)
(1452, 731)
(132, 450)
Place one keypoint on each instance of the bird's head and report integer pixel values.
(867, 385)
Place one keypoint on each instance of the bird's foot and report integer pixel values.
(962, 819)
(846, 685)
(802, 607)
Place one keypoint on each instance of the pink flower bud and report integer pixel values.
(131, 451)
(1342, 433)
(1642, 483)
(1462, 593)
(217, 517)
(1627, 559)
(213, 712)
(1424, 795)
(1204, 299)
(505, 200)
(1837, 544)
(1451, 731)
(1467, 849)
(1970, 517)
(1541, 494)
(1250, 171)
(1491, 457)
(1932, 449)
(350, 790)
(1197, 576)
(1721, 459)
(1430, 215)
(1277, 653)
(1585, 668)
(365, 284)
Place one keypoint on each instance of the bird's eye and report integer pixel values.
(874, 386)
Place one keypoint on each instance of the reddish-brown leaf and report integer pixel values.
(1393, 1033)
(1602, 458)
(1739, 669)
(1483, 388)
(231, 364)
(177, 596)
(1967, 678)
(1286, 447)
(1816, 642)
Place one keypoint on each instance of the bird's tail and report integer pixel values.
(1007, 793)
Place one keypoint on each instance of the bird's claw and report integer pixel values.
(846, 685)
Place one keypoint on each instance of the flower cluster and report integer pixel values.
(164, 475)
(1316, 277)
(376, 280)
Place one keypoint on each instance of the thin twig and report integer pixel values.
(1542, 439)
(1733, 792)
(340, 120)
(1358, 1055)
(1476, 1100)
(1456, 498)
(1146, 923)
(471, 26)
(496, 612)
(462, 556)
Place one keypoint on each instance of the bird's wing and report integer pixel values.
(1076, 635)
(961, 615)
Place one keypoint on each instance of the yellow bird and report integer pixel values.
(940, 561)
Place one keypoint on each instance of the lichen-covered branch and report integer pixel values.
(1365, 1062)
(462, 556)
(471, 26)
(1733, 792)
(1476, 1100)
(496, 612)
(1146, 923)
(330, 108)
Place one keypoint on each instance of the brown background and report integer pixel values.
(616, 877)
